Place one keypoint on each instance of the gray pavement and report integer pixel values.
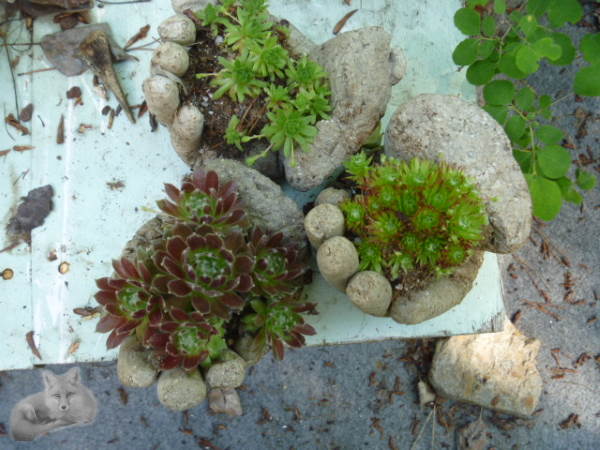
(364, 395)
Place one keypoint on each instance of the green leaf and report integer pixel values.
(527, 60)
(554, 161)
(590, 47)
(528, 24)
(567, 53)
(537, 7)
(524, 159)
(546, 196)
(563, 11)
(550, 135)
(497, 112)
(488, 26)
(508, 66)
(467, 21)
(481, 72)
(587, 81)
(486, 47)
(515, 127)
(499, 92)
(525, 98)
(584, 179)
(474, 3)
(465, 53)
(499, 6)
(568, 193)
(547, 48)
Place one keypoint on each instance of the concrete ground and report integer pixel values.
(364, 395)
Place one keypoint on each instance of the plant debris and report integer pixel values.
(570, 422)
(32, 346)
(60, 131)
(8, 274)
(74, 346)
(14, 122)
(87, 311)
(141, 34)
(338, 26)
(63, 267)
(31, 213)
(123, 395)
(22, 148)
(473, 436)
(265, 417)
(26, 113)
(116, 185)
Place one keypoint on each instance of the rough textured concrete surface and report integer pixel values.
(178, 390)
(337, 259)
(438, 296)
(179, 29)
(358, 102)
(371, 292)
(447, 128)
(323, 222)
(263, 199)
(133, 365)
(494, 370)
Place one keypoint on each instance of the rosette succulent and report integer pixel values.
(189, 290)
(412, 216)
(277, 322)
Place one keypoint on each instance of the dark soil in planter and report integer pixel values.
(217, 113)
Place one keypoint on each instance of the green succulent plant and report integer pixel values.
(277, 322)
(295, 91)
(415, 215)
(182, 295)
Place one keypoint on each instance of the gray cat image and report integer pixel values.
(64, 402)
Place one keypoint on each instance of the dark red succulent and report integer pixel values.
(278, 268)
(203, 199)
(126, 298)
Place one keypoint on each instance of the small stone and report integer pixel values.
(371, 292)
(337, 259)
(229, 373)
(224, 401)
(171, 57)
(179, 6)
(447, 128)
(245, 347)
(493, 370)
(333, 196)
(162, 97)
(323, 222)
(179, 390)
(398, 62)
(426, 394)
(133, 364)
(438, 296)
(186, 131)
(179, 29)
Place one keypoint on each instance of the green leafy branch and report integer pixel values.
(504, 48)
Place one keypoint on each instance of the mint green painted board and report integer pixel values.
(91, 223)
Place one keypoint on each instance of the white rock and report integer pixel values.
(186, 131)
(162, 98)
(371, 292)
(493, 370)
(179, 390)
(179, 29)
(323, 222)
(228, 373)
(398, 61)
(447, 128)
(133, 364)
(337, 259)
(245, 347)
(224, 401)
(171, 57)
(333, 196)
(426, 395)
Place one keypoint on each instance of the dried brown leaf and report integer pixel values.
(141, 34)
(32, 346)
(14, 122)
(26, 113)
(22, 148)
(60, 131)
(570, 422)
(338, 26)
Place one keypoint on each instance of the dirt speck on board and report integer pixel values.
(116, 185)
(31, 213)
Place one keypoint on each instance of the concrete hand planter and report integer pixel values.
(213, 89)
(208, 287)
(407, 245)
